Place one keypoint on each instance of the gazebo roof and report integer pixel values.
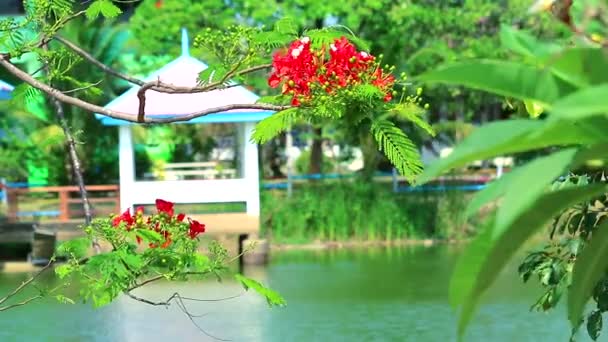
(184, 71)
(5, 90)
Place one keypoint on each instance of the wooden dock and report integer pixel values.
(40, 217)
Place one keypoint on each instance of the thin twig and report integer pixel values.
(157, 85)
(82, 88)
(4, 308)
(190, 316)
(27, 282)
(159, 277)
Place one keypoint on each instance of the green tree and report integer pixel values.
(567, 80)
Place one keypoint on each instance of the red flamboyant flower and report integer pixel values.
(164, 207)
(196, 228)
(300, 70)
(124, 217)
(297, 68)
(158, 4)
(384, 82)
(180, 217)
(139, 211)
(346, 65)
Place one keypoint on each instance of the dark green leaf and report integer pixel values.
(594, 324)
(591, 265)
(489, 253)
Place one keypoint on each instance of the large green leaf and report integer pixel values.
(581, 66)
(511, 79)
(525, 44)
(591, 265)
(528, 184)
(512, 136)
(489, 253)
(499, 187)
(586, 102)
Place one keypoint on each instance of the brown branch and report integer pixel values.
(75, 161)
(53, 92)
(141, 95)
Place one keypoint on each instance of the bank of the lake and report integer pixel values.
(341, 294)
(359, 211)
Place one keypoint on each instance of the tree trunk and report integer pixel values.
(369, 151)
(316, 152)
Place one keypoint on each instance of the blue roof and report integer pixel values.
(223, 117)
(5, 90)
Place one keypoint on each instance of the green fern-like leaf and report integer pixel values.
(286, 26)
(60, 8)
(398, 148)
(212, 74)
(279, 100)
(413, 113)
(106, 8)
(273, 125)
(325, 36)
(272, 39)
(24, 94)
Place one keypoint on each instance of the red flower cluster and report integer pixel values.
(167, 213)
(298, 68)
(301, 69)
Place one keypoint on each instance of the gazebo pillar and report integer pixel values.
(249, 167)
(126, 163)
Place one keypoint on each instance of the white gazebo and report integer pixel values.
(184, 71)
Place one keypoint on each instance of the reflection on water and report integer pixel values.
(397, 294)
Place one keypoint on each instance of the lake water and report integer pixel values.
(378, 294)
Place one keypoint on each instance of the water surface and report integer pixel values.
(379, 294)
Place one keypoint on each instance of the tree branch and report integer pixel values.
(156, 85)
(27, 282)
(55, 93)
(31, 299)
